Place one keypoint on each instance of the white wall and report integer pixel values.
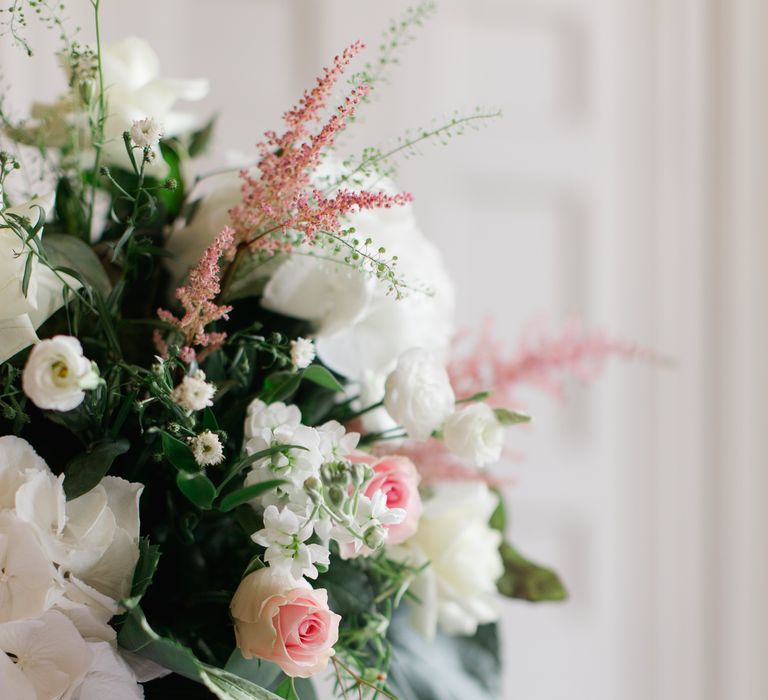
(626, 183)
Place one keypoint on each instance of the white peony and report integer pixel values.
(42, 659)
(57, 374)
(458, 588)
(28, 579)
(475, 434)
(418, 393)
(20, 314)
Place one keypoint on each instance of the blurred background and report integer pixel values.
(627, 184)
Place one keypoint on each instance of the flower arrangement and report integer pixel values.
(241, 447)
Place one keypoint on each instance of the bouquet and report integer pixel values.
(242, 445)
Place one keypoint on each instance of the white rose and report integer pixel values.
(458, 588)
(475, 434)
(20, 314)
(42, 659)
(419, 394)
(57, 374)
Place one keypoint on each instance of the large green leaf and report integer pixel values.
(87, 469)
(149, 556)
(245, 494)
(280, 386)
(138, 637)
(70, 252)
(528, 581)
(179, 454)
(198, 488)
(317, 374)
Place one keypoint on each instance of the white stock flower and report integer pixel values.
(146, 133)
(274, 415)
(371, 519)
(335, 442)
(194, 393)
(28, 580)
(294, 464)
(42, 659)
(57, 374)
(458, 588)
(302, 352)
(475, 434)
(20, 314)
(284, 535)
(207, 449)
(419, 394)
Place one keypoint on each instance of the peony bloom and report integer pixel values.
(302, 353)
(475, 434)
(284, 621)
(207, 449)
(398, 479)
(42, 659)
(194, 393)
(458, 588)
(20, 314)
(57, 374)
(419, 394)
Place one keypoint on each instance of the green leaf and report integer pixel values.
(507, 417)
(139, 638)
(499, 517)
(263, 673)
(287, 690)
(198, 488)
(209, 420)
(87, 469)
(479, 396)
(70, 211)
(245, 494)
(200, 140)
(528, 581)
(280, 386)
(149, 556)
(317, 374)
(70, 252)
(179, 454)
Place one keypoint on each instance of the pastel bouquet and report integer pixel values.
(241, 446)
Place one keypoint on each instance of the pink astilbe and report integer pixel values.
(542, 359)
(281, 206)
(197, 297)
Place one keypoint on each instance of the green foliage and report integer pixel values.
(66, 251)
(528, 581)
(87, 469)
(507, 417)
(149, 558)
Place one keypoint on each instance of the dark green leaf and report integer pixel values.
(87, 469)
(280, 386)
(198, 488)
(263, 673)
(70, 252)
(209, 420)
(317, 374)
(179, 454)
(241, 464)
(201, 139)
(507, 417)
(149, 556)
(245, 494)
(526, 580)
(70, 211)
(286, 690)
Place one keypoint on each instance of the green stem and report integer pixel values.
(97, 134)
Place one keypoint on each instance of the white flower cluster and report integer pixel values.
(63, 567)
(322, 494)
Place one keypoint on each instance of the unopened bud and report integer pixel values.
(336, 495)
(374, 536)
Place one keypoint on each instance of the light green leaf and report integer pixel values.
(507, 417)
(280, 386)
(87, 469)
(528, 581)
(286, 690)
(317, 374)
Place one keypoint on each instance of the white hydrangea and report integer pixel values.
(207, 448)
(302, 352)
(194, 393)
(284, 535)
(146, 133)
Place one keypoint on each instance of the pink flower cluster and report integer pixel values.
(282, 196)
(542, 359)
(197, 297)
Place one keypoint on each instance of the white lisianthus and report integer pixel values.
(475, 434)
(146, 133)
(458, 588)
(42, 658)
(57, 374)
(284, 535)
(21, 314)
(418, 393)
(302, 352)
(194, 393)
(207, 449)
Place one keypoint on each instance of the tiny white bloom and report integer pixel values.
(302, 352)
(57, 374)
(194, 393)
(475, 434)
(207, 448)
(418, 394)
(146, 133)
(284, 535)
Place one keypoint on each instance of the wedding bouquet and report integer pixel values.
(242, 447)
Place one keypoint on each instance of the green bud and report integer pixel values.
(374, 537)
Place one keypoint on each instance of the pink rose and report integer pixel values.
(284, 621)
(399, 479)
